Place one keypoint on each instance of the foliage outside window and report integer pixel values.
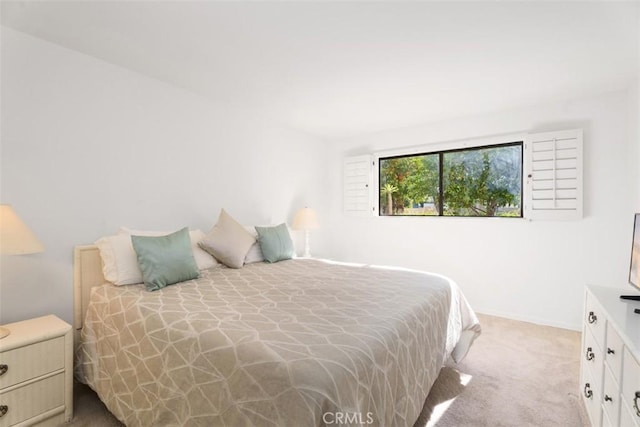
(482, 181)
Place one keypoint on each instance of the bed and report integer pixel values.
(301, 342)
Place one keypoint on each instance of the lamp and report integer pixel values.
(15, 239)
(305, 220)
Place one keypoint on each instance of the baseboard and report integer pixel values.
(530, 319)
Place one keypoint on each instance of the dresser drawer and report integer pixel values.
(31, 361)
(32, 399)
(591, 396)
(611, 398)
(613, 352)
(628, 417)
(631, 384)
(595, 319)
(592, 358)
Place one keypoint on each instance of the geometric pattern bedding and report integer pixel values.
(297, 343)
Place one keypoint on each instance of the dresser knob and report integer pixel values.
(587, 391)
(610, 351)
(3, 410)
(589, 355)
(3, 369)
(607, 398)
(636, 406)
(592, 317)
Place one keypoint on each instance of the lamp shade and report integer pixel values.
(15, 236)
(305, 219)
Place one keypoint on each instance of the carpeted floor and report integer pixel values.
(516, 374)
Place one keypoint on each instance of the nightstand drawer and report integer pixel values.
(35, 398)
(31, 361)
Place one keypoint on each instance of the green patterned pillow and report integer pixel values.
(275, 243)
(165, 260)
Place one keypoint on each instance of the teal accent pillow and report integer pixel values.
(275, 243)
(165, 260)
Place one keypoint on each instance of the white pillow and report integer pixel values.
(203, 259)
(255, 253)
(119, 260)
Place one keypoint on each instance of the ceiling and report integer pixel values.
(341, 68)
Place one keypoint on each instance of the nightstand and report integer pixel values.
(36, 373)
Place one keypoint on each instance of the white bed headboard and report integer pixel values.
(87, 273)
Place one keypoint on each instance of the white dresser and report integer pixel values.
(610, 361)
(36, 373)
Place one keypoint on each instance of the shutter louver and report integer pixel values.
(357, 185)
(554, 175)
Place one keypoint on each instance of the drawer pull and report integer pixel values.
(610, 351)
(592, 317)
(3, 410)
(636, 406)
(590, 355)
(588, 393)
(607, 398)
(3, 369)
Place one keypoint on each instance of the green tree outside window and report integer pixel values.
(484, 181)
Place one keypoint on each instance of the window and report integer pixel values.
(480, 181)
(540, 178)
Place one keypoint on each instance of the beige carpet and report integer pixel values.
(517, 374)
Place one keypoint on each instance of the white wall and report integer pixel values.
(525, 270)
(88, 146)
(634, 139)
(635, 122)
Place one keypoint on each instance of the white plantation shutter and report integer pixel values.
(358, 185)
(553, 173)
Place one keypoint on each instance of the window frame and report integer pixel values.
(441, 150)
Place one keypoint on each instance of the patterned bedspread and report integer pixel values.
(296, 343)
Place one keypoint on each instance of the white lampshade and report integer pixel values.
(15, 236)
(305, 219)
